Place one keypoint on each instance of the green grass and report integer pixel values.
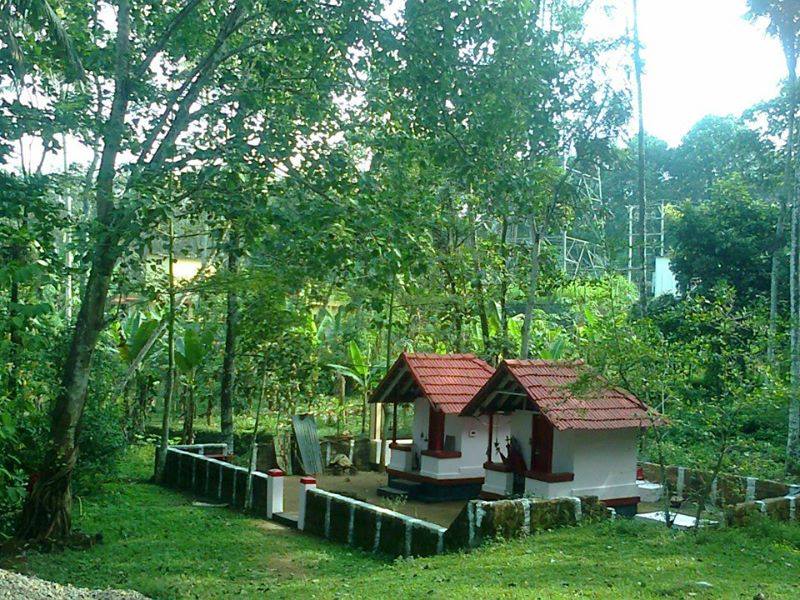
(156, 542)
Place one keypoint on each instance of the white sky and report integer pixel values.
(701, 57)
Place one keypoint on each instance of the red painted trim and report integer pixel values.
(307, 480)
(400, 447)
(612, 502)
(275, 473)
(499, 467)
(442, 453)
(424, 479)
(550, 477)
(435, 428)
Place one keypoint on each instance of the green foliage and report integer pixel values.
(706, 253)
(621, 559)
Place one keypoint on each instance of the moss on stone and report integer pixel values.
(592, 509)
(732, 489)
(505, 519)
(777, 508)
(743, 513)
(548, 514)
(770, 489)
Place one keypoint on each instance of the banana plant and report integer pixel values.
(133, 335)
(361, 373)
(191, 349)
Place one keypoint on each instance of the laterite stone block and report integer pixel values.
(592, 509)
(770, 489)
(424, 540)
(200, 477)
(259, 506)
(214, 473)
(505, 519)
(316, 507)
(241, 489)
(339, 521)
(549, 514)
(393, 535)
(364, 525)
(185, 472)
(227, 484)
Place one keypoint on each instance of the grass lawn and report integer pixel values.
(156, 542)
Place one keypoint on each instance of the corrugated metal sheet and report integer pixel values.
(305, 431)
(449, 381)
(567, 395)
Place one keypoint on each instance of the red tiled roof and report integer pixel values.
(564, 397)
(449, 381)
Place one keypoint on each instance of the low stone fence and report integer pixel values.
(482, 520)
(725, 490)
(744, 499)
(369, 527)
(778, 509)
(363, 525)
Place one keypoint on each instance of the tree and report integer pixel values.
(190, 353)
(174, 105)
(728, 239)
(784, 22)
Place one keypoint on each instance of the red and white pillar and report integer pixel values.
(274, 492)
(306, 483)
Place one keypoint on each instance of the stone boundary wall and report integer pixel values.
(778, 509)
(726, 490)
(370, 527)
(482, 520)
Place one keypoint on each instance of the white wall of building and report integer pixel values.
(603, 462)
(520, 428)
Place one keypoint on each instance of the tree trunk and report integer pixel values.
(533, 284)
(188, 418)
(789, 194)
(47, 510)
(504, 288)
(229, 361)
(641, 191)
(169, 386)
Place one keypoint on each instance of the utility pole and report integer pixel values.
(640, 189)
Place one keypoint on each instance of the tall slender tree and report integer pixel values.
(783, 18)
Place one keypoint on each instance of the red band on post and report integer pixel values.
(275, 473)
(307, 480)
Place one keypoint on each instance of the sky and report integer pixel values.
(701, 57)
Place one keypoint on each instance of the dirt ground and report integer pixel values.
(364, 486)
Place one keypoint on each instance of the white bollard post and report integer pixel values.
(306, 483)
(274, 492)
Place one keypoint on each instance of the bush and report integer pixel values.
(102, 443)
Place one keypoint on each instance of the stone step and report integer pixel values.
(392, 492)
(285, 518)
